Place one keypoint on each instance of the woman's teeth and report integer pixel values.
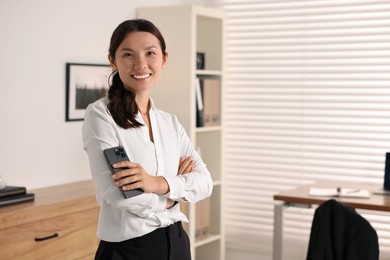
(141, 76)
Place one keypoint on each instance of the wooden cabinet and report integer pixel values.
(189, 30)
(60, 224)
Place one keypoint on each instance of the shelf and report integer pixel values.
(208, 72)
(205, 129)
(209, 239)
(217, 183)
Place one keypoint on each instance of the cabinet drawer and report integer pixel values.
(69, 236)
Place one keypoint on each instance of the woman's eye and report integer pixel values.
(127, 54)
(151, 53)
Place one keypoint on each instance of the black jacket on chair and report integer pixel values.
(338, 232)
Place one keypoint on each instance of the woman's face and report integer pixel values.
(139, 61)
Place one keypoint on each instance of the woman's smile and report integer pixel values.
(143, 76)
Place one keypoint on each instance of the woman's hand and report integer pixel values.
(135, 177)
(186, 165)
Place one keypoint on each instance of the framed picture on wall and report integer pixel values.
(85, 83)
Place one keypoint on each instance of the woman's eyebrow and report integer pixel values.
(126, 49)
(147, 48)
(151, 47)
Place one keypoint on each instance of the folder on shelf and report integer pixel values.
(206, 217)
(211, 102)
(184, 207)
(199, 104)
(198, 221)
(202, 226)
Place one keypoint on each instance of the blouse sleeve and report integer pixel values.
(193, 186)
(99, 132)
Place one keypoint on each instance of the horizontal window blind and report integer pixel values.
(307, 99)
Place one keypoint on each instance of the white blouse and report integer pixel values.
(119, 218)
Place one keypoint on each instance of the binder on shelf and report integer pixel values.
(199, 104)
(202, 225)
(198, 221)
(211, 102)
(184, 208)
(206, 217)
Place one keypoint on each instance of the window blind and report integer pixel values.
(307, 99)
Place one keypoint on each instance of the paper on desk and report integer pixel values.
(344, 192)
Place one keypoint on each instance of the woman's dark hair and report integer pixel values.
(122, 105)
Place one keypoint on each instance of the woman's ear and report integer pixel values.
(112, 62)
(165, 60)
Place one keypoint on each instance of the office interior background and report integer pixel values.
(307, 99)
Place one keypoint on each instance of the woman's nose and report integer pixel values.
(140, 63)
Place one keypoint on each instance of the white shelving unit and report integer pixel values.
(189, 29)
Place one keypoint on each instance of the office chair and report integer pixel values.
(338, 232)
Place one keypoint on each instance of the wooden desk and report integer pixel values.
(60, 224)
(299, 197)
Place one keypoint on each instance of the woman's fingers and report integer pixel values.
(186, 165)
(126, 180)
(136, 177)
(125, 164)
(128, 168)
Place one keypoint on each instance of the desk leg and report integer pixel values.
(278, 231)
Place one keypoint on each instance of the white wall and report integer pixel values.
(37, 147)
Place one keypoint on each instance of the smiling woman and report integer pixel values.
(137, 65)
(163, 162)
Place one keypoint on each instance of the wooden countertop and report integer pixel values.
(50, 202)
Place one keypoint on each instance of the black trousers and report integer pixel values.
(169, 243)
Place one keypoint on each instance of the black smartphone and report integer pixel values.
(118, 154)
